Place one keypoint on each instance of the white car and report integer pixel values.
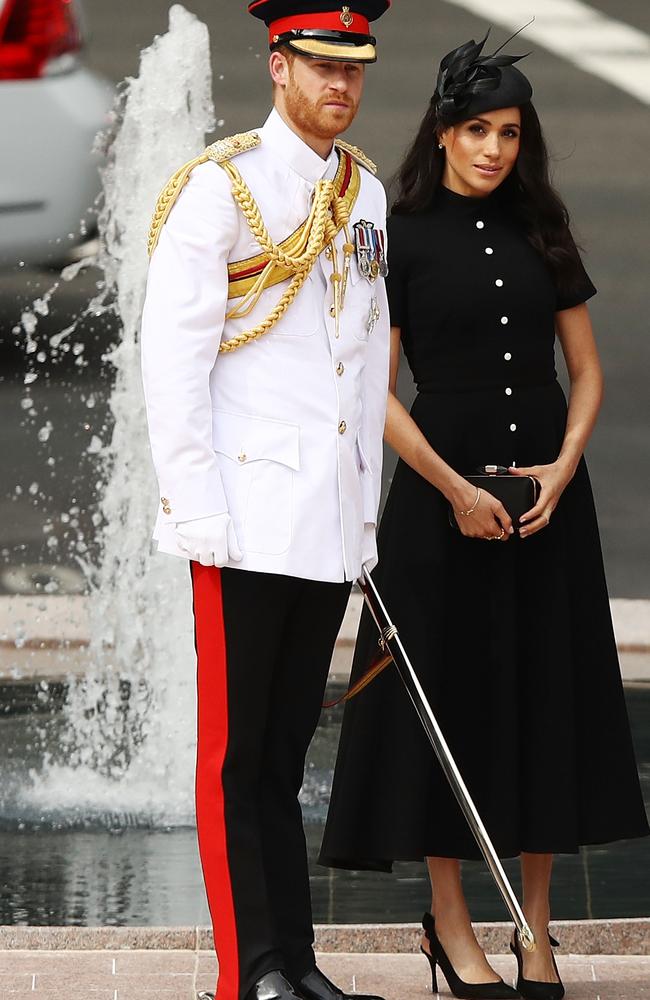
(51, 107)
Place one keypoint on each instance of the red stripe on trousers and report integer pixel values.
(212, 742)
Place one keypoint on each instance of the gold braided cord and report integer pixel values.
(294, 258)
(244, 275)
(167, 198)
(329, 214)
(244, 338)
(305, 251)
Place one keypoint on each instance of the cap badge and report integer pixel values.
(347, 19)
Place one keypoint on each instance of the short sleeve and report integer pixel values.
(397, 270)
(580, 290)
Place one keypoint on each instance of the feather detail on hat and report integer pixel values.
(465, 73)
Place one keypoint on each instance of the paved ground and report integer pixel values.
(177, 975)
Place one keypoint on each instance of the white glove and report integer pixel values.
(369, 546)
(210, 541)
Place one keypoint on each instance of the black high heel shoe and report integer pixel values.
(531, 989)
(460, 989)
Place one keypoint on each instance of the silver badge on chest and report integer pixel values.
(373, 316)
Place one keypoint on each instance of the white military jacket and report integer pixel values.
(285, 433)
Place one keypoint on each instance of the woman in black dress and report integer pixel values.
(512, 640)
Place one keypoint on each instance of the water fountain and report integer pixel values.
(126, 749)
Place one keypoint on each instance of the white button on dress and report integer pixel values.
(513, 427)
(504, 320)
(507, 356)
(508, 391)
(499, 282)
(489, 250)
(480, 225)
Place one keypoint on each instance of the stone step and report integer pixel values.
(46, 638)
(620, 936)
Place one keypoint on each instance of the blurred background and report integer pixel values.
(55, 383)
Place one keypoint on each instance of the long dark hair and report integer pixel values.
(528, 190)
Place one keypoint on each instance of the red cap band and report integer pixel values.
(334, 21)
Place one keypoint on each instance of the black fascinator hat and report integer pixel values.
(470, 83)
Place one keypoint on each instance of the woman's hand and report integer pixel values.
(488, 520)
(553, 480)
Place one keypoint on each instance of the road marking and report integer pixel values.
(34, 983)
(593, 972)
(610, 49)
(114, 966)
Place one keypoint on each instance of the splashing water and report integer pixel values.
(127, 747)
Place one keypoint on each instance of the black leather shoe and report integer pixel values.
(272, 986)
(315, 986)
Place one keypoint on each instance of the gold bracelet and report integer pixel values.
(466, 513)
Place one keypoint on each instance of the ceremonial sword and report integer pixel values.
(390, 641)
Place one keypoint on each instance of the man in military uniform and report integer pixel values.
(265, 357)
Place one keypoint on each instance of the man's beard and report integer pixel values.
(313, 118)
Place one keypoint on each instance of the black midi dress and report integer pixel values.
(513, 642)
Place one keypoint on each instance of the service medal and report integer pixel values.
(380, 238)
(364, 247)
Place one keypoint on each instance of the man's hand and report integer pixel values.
(210, 541)
(369, 547)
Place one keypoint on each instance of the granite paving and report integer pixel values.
(178, 975)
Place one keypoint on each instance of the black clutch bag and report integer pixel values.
(517, 493)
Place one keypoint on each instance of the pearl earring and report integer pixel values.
(440, 145)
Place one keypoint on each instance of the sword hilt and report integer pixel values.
(527, 938)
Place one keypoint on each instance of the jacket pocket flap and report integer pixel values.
(244, 439)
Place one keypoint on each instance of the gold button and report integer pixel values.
(242, 456)
(343, 427)
(167, 510)
(340, 368)
(332, 311)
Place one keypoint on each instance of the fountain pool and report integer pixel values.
(115, 869)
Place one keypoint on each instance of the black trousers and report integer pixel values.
(264, 645)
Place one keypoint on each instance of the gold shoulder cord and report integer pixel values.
(329, 214)
(219, 151)
(167, 199)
